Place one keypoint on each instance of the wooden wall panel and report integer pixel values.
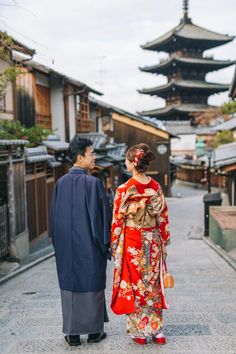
(159, 168)
(50, 188)
(42, 205)
(25, 102)
(43, 107)
(31, 209)
(19, 192)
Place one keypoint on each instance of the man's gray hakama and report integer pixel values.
(81, 312)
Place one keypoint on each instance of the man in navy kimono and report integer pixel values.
(80, 230)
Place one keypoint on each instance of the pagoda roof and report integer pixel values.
(175, 108)
(185, 84)
(188, 32)
(204, 63)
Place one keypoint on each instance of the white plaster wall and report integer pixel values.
(57, 107)
(71, 114)
(186, 144)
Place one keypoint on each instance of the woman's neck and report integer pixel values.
(141, 177)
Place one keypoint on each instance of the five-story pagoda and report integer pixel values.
(186, 91)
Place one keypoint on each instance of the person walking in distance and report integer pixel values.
(140, 233)
(80, 229)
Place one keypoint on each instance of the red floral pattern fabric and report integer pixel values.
(140, 232)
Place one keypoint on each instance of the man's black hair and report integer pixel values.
(78, 146)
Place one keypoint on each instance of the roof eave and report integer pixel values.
(22, 48)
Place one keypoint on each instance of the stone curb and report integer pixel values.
(25, 267)
(221, 252)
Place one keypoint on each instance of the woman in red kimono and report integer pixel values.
(140, 233)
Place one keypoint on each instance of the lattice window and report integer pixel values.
(29, 168)
(44, 121)
(83, 108)
(43, 107)
(40, 167)
(49, 172)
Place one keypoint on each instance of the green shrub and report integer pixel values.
(12, 129)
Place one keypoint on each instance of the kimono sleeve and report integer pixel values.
(163, 221)
(117, 221)
(100, 215)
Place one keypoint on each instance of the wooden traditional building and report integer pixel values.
(13, 218)
(124, 127)
(52, 100)
(8, 99)
(186, 91)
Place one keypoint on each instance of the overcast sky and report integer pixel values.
(98, 41)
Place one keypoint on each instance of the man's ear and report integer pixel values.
(79, 158)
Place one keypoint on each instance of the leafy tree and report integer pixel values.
(228, 107)
(206, 117)
(224, 137)
(10, 73)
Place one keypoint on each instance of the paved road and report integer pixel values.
(201, 318)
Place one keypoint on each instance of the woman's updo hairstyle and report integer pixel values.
(141, 155)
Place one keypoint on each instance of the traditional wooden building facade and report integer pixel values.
(8, 99)
(124, 127)
(222, 171)
(186, 91)
(52, 100)
(13, 217)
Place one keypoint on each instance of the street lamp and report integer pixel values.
(209, 154)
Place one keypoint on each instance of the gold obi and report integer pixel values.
(131, 223)
(141, 210)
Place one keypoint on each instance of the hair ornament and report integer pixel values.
(139, 153)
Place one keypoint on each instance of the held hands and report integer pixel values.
(107, 254)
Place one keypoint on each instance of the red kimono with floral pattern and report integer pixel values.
(140, 232)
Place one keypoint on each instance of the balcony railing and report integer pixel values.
(86, 126)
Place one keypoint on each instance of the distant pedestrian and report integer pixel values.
(80, 230)
(140, 233)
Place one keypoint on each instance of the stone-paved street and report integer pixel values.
(201, 318)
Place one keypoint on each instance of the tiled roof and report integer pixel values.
(155, 123)
(208, 64)
(18, 46)
(167, 110)
(180, 127)
(47, 70)
(225, 155)
(185, 127)
(187, 84)
(188, 31)
(228, 125)
(37, 154)
(98, 139)
(56, 145)
(13, 142)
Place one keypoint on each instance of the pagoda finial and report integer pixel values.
(185, 8)
(185, 18)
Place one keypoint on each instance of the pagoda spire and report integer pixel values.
(185, 8)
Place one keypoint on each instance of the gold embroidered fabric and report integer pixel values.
(141, 210)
